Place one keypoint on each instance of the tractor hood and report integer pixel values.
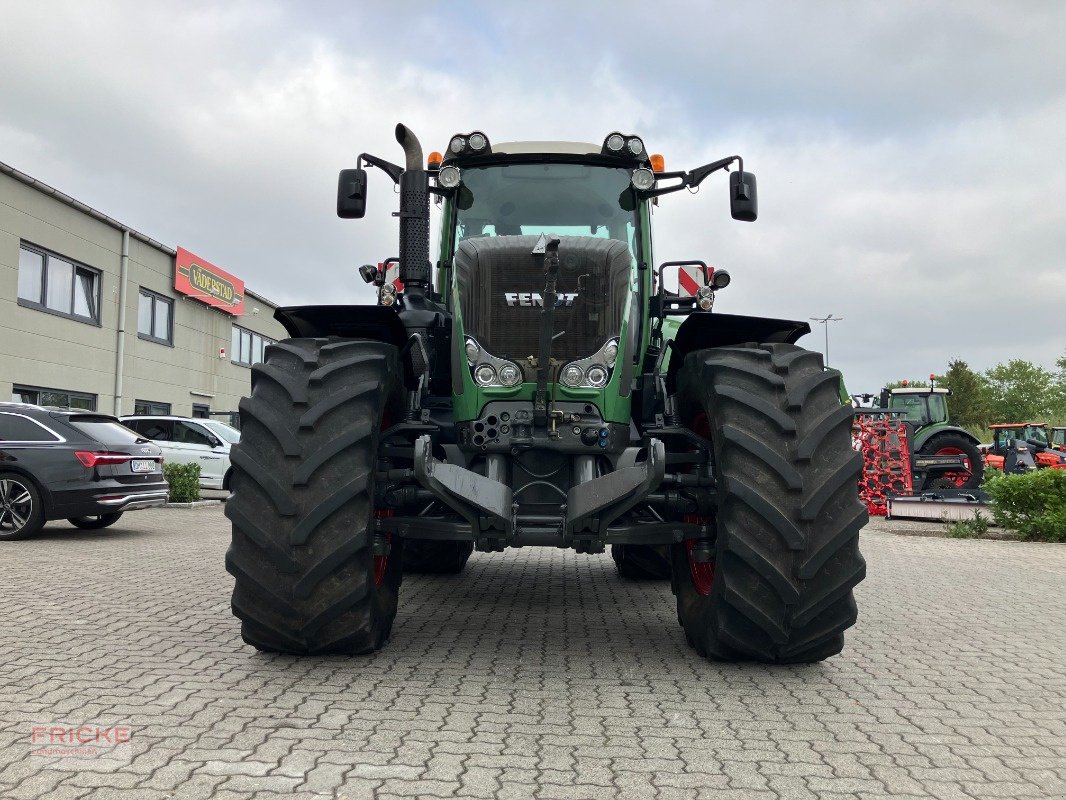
(501, 291)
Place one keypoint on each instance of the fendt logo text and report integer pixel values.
(534, 299)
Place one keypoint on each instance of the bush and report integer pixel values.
(1033, 503)
(184, 480)
(969, 528)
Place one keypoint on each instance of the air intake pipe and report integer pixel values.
(414, 215)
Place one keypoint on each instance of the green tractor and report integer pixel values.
(535, 389)
(926, 408)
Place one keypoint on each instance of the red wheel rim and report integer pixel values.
(381, 562)
(702, 571)
(958, 478)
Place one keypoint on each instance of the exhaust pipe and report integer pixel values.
(414, 215)
(412, 149)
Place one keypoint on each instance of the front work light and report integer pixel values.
(615, 143)
(448, 177)
(643, 179)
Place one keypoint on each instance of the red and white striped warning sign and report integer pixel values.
(392, 274)
(690, 278)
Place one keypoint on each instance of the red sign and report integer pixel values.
(207, 283)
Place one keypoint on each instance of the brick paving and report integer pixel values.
(537, 673)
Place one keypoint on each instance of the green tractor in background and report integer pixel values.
(534, 390)
(926, 408)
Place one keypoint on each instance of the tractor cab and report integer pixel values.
(1033, 437)
(1058, 439)
(919, 405)
(1033, 434)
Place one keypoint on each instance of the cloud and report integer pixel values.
(908, 162)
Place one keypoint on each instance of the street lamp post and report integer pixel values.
(825, 321)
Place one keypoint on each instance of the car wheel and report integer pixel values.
(21, 507)
(95, 523)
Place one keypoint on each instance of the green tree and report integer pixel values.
(1020, 391)
(969, 403)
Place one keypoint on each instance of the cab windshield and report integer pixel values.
(922, 409)
(560, 199)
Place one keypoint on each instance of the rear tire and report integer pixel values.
(307, 579)
(433, 557)
(786, 557)
(95, 523)
(955, 444)
(642, 562)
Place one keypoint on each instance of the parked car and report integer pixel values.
(76, 465)
(185, 440)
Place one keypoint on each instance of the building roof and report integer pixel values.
(67, 200)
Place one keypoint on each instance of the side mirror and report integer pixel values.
(351, 194)
(743, 197)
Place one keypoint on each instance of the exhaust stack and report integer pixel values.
(414, 215)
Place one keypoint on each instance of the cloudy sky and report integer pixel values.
(910, 155)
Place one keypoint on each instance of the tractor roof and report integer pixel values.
(553, 148)
(1019, 425)
(919, 390)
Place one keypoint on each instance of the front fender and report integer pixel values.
(701, 330)
(926, 434)
(379, 323)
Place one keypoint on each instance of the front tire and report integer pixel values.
(95, 523)
(786, 558)
(303, 550)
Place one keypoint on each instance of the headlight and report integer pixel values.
(473, 350)
(572, 376)
(510, 374)
(643, 179)
(636, 146)
(477, 141)
(448, 177)
(597, 376)
(593, 372)
(457, 144)
(615, 142)
(485, 375)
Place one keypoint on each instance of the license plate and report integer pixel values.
(143, 465)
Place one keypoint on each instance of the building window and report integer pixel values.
(246, 347)
(200, 411)
(60, 398)
(49, 282)
(155, 315)
(143, 408)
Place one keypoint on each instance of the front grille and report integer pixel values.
(489, 269)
